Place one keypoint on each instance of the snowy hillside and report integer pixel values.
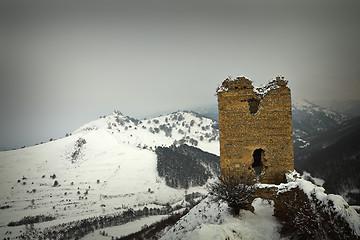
(318, 220)
(211, 220)
(106, 166)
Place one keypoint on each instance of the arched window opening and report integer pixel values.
(258, 157)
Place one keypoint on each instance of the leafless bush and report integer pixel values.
(236, 191)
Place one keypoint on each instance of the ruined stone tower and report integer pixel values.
(255, 125)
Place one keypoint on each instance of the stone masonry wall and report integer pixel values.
(251, 119)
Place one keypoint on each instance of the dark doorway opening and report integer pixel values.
(258, 157)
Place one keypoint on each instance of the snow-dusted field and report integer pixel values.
(106, 166)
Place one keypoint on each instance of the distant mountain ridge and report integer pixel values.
(310, 119)
(351, 108)
(335, 157)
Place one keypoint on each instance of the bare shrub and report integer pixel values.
(238, 192)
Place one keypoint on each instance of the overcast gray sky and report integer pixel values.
(64, 63)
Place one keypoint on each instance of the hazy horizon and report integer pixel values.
(65, 63)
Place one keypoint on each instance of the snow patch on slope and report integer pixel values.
(210, 220)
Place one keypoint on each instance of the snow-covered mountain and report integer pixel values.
(178, 127)
(309, 120)
(106, 166)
